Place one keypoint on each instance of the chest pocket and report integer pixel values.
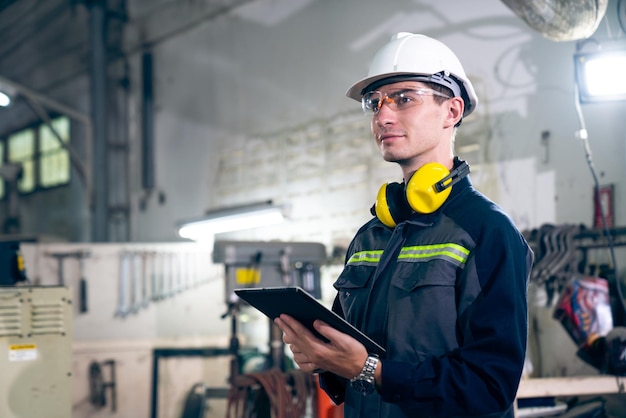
(353, 288)
(421, 277)
(410, 277)
(424, 296)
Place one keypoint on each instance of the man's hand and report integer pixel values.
(342, 355)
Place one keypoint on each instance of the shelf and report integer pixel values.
(570, 386)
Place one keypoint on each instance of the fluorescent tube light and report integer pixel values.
(231, 219)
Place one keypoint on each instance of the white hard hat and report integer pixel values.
(417, 57)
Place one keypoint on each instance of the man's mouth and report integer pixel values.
(389, 136)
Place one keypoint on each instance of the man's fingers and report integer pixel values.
(290, 323)
(292, 329)
(288, 333)
(328, 332)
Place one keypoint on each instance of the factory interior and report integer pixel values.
(128, 128)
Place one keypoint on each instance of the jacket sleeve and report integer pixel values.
(333, 385)
(483, 373)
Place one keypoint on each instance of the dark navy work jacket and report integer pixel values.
(446, 295)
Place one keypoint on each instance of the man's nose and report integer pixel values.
(385, 114)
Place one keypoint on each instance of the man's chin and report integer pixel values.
(390, 158)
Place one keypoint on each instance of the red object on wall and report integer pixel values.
(603, 200)
(326, 408)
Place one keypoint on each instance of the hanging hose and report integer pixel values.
(271, 393)
(618, 316)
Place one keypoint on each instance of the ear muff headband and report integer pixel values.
(426, 191)
(453, 177)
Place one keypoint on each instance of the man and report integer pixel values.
(439, 276)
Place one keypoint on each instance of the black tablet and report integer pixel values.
(302, 306)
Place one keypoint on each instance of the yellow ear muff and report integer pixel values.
(381, 207)
(421, 193)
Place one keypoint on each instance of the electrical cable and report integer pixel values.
(621, 15)
(271, 392)
(584, 137)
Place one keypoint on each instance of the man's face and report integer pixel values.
(409, 127)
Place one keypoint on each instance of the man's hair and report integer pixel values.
(440, 100)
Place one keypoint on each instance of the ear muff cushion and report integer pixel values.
(381, 207)
(391, 206)
(420, 190)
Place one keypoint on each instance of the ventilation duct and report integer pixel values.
(560, 20)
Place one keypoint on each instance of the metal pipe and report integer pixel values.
(147, 122)
(98, 23)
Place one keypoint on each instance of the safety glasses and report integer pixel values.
(397, 100)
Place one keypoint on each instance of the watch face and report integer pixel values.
(363, 386)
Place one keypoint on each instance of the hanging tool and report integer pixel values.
(169, 279)
(135, 277)
(81, 255)
(122, 302)
(60, 258)
(155, 285)
(145, 271)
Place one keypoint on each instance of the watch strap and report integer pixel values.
(365, 381)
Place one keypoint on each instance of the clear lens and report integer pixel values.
(372, 101)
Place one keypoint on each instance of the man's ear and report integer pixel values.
(455, 111)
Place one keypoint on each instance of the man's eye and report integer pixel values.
(402, 98)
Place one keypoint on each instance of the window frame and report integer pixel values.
(38, 156)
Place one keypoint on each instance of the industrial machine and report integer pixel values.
(12, 269)
(267, 264)
(254, 264)
(270, 264)
(35, 352)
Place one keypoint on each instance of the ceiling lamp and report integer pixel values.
(600, 75)
(7, 93)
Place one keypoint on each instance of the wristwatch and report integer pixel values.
(364, 382)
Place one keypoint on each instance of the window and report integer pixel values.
(45, 162)
(54, 158)
(21, 147)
